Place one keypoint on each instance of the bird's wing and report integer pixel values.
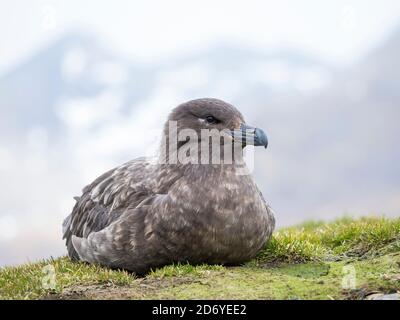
(106, 199)
(125, 243)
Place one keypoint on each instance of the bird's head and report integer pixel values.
(210, 114)
(200, 121)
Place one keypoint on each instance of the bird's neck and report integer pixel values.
(198, 153)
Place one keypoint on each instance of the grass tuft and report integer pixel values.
(345, 237)
(31, 281)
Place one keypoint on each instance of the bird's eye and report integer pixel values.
(211, 119)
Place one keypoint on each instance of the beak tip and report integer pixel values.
(261, 138)
(257, 137)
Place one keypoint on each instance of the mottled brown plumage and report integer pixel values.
(146, 214)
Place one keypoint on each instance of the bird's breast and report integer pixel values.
(217, 214)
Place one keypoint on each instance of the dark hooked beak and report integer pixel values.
(248, 135)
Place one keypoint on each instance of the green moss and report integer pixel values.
(289, 281)
(338, 260)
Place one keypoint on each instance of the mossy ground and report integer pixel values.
(345, 259)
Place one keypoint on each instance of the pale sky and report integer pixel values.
(338, 31)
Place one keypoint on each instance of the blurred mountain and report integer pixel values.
(79, 67)
(339, 147)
